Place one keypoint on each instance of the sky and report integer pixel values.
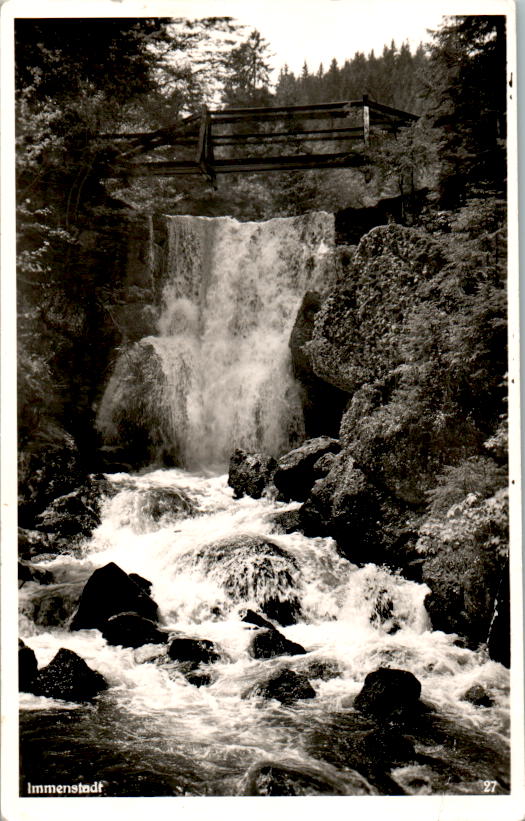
(318, 30)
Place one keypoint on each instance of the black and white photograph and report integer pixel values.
(260, 410)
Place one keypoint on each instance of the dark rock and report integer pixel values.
(48, 467)
(389, 694)
(323, 404)
(145, 584)
(295, 475)
(499, 633)
(267, 643)
(32, 543)
(52, 605)
(272, 778)
(110, 591)
(353, 223)
(286, 521)
(250, 473)
(132, 630)
(478, 696)
(286, 687)
(165, 503)
(31, 573)
(193, 651)
(199, 679)
(68, 677)
(251, 569)
(76, 514)
(27, 667)
(254, 618)
(320, 669)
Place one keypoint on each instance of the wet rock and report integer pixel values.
(478, 696)
(27, 667)
(132, 630)
(52, 605)
(254, 618)
(199, 679)
(110, 591)
(145, 584)
(286, 521)
(31, 573)
(285, 686)
(77, 513)
(251, 569)
(33, 543)
(68, 677)
(273, 778)
(295, 474)
(389, 694)
(268, 643)
(193, 652)
(165, 503)
(250, 473)
(321, 669)
(48, 467)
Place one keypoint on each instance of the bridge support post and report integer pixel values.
(366, 121)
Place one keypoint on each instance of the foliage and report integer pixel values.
(477, 475)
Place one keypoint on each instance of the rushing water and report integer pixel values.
(217, 373)
(182, 739)
(215, 376)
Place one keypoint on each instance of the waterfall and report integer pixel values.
(217, 373)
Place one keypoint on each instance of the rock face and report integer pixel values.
(295, 472)
(478, 696)
(110, 591)
(286, 687)
(356, 338)
(68, 677)
(132, 630)
(268, 643)
(323, 404)
(389, 694)
(251, 569)
(250, 473)
(31, 573)
(27, 667)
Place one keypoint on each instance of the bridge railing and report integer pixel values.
(204, 134)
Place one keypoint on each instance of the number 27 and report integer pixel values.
(489, 786)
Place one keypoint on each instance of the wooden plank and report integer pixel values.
(252, 164)
(358, 137)
(404, 115)
(218, 138)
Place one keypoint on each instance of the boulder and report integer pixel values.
(251, 617)
(132, 630)
(199, 679)
(478, 696)
(76, 514)
(389, 694)
(285, 686)
(273, 778)
(110, 591)
(52, 605)
(295, 474)
(286, 521)
(250, 473)
(27, 667)
(32, 543)
(68, 677)
(321, 669)
(255, 570)
(165, 503)
(145, 584)
(193, 652)
(268, 643)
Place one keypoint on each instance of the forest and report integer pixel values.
(395, 368)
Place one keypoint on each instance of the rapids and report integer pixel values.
(175, 738)
(216, 375)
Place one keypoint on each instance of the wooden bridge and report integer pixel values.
(204, 136)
